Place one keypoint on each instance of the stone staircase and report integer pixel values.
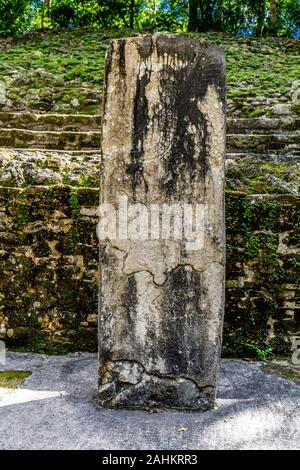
(50, 122)
(49, 178)
(56, 132)
(62, 140)
(270, 139)
(49, 149)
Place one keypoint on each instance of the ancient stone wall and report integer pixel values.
(262, 280)
(49, 270)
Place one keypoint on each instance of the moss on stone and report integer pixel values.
(48, 70)
(253, 113)
(296, 109)
(253, 227)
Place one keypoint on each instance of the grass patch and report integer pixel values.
(13, 378)
(286, 372)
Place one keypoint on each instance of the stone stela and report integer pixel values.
(161, 303)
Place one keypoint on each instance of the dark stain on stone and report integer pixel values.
(145, 47)
(103, 258)
(181, 89)
(121, 54)
(184, 156)
(136, 170)
(130, 302)
(140, 127)
(105, 351)
(183, 323)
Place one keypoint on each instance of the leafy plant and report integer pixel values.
(13, 15)
(62, 14)
(261, 353)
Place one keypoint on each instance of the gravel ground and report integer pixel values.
(55, 408)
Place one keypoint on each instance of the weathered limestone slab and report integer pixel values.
(161, 299)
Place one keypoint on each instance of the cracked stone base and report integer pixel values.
(132, 387)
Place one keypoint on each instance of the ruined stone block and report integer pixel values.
(161, 296)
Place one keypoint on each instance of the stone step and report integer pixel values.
(27, 167)
(64, 140)
(81, 122)
(263, 157)
(266, 146)
(263, 125)
(86, 122)
(21, 168)
(50, 122)
(264, 143)
(71, 153)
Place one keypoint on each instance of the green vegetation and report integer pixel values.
(263, 17)
(255, 177)
(49, 169)
(252, 230)
(38, 341)
(13, 378)
(73, 235)
(22, 216)
(44, 72)
(283, 369)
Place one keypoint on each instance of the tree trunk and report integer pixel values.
(193, 15)
(273, 18)
(48, 6)
(131, 17)
(237, 15)
(260, 19)
(42, 15)
(208, 15)
(219, 16)
(201, 22)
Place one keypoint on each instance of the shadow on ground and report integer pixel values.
(55, 408)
